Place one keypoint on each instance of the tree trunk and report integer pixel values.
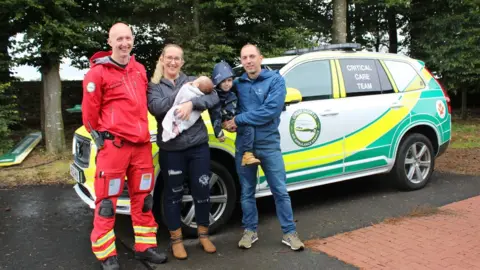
(464, 104)
(4, 55)
(358, 24)
(339, 27)
(416, 18)
(392, 30)
(378, 39)
(196, 17)
(349, 22)
(4, 60)
(52, 107)
(42, 112)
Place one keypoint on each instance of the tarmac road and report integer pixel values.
(48, 227)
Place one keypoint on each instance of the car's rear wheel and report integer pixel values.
(222, 200)
(414, 163)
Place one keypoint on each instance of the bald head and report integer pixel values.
(120, 38)
(118, 27)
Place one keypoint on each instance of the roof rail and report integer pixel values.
(326, 47)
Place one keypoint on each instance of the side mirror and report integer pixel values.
(293, 96)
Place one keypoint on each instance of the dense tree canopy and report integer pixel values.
(443, 33)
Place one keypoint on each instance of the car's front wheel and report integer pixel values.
(222, 200)
(414, 162)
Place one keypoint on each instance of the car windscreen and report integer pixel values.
(238, 70)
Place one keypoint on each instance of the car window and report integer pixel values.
(275, 66)
(313, 79)
(364, 77)
(405, 77)
(384, 81)
(238, 71)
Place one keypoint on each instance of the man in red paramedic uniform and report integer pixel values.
(114, 105)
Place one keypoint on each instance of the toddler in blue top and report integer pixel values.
(222, 77)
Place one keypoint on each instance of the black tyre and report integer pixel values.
(222, 199)
(414, 163)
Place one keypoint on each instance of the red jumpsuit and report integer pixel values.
(115, 104)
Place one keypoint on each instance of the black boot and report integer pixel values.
(111, 263)
(151, 255)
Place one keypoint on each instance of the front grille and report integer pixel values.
(82, 151)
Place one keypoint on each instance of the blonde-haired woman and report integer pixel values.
(188, 152)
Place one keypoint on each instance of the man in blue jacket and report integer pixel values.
(261, 97)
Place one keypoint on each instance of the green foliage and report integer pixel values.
(226, 26)
(369, 21)
(449, 41)
(208, 31)
(8, 115)
(54, 27)
(444, 33)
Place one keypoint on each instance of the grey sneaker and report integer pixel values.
(248, 238)
(293, 241)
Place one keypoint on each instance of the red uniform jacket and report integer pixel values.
(114, 98)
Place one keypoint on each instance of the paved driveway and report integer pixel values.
(48, 227)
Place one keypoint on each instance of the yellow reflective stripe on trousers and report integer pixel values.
(104, 239)
(103, 254)
(142, 229)
(145, 240)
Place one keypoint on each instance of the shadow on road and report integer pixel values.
(325, 196)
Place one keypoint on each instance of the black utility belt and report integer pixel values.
(107, 135)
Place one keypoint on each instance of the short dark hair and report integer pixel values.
(250, 44)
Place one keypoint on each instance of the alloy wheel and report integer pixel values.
(218, 201)
(418, 162)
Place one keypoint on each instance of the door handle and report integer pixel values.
(396, 105)
(328, 113)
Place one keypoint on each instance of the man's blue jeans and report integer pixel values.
(274, 168)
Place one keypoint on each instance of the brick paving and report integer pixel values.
(448, 238)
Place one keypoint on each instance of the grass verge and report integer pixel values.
(463, 154)
(465, 133)
(38, 169)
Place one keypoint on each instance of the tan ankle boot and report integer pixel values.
(249, 159)
(177, 244)
(204, 241)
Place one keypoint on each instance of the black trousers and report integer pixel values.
(175, 166)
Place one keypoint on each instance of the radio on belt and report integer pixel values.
(96, 137)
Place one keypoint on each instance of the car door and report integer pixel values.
(312, 146)
(371, 110)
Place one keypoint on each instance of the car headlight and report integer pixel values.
(74, 143)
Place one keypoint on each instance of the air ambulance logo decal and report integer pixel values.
(304, 127)
(441, 110)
